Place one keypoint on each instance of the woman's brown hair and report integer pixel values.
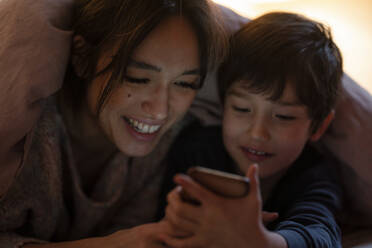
(106, 23)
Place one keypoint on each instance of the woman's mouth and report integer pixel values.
(255, 155)
(141, 127)
(140, 130)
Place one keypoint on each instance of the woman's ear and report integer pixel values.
(323, 126)
(78, 61)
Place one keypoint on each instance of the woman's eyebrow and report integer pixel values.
(192, 72)
(143, 65)
(147, 66)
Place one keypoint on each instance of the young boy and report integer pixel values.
(278, 87)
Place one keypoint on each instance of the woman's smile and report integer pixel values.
(141, 130)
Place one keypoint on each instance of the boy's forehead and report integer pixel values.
(240, 88)
(289, 97)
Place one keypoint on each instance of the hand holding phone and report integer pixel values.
(222, 183)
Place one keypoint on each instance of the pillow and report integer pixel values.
(350, 140)
(34, 49)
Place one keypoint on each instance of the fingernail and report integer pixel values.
(179, 178)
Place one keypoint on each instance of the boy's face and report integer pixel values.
(257, 130)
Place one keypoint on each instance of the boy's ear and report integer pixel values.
(323, 126)
(78, 61)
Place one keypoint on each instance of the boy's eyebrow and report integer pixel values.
(237, 93)
(289, 104)
(240, 94)
(147, 66)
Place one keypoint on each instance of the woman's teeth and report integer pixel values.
(142, 127)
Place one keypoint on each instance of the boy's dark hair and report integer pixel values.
(279, 48)
(126, 23)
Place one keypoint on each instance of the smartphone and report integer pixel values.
(222, 183)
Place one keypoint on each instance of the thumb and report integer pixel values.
(268, 217)
(252, 174)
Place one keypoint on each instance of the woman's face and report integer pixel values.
(157, 91)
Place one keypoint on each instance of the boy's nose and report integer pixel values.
(156, 103)
(258, 131)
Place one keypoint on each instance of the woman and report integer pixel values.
(94, 165)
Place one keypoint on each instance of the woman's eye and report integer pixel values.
(286, 117)
(136, 80)
(187, 85)
(242, 110)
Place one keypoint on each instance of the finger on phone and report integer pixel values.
(268, 217)
(181, 226)
(252, 174)
(182, 208)
(192, 188)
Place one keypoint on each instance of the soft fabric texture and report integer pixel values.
(34, 48)
(307, 197)
(350, 139)
(46, 202)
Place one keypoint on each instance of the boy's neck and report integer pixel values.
(268, 184)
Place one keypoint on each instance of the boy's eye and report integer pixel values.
(187, 85)
(243, 110)
(286, 117)
(136, 80)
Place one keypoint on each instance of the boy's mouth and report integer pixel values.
(255, 155)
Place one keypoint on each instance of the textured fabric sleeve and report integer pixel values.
(310, 219)
(12, 240)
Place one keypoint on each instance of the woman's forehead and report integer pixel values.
(172, 42)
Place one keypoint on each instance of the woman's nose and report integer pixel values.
(156, 104)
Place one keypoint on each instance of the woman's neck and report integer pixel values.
(87, 138)
(92, 151)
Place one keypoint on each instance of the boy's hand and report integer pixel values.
(218, 221)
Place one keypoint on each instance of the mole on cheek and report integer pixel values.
(129, 95)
